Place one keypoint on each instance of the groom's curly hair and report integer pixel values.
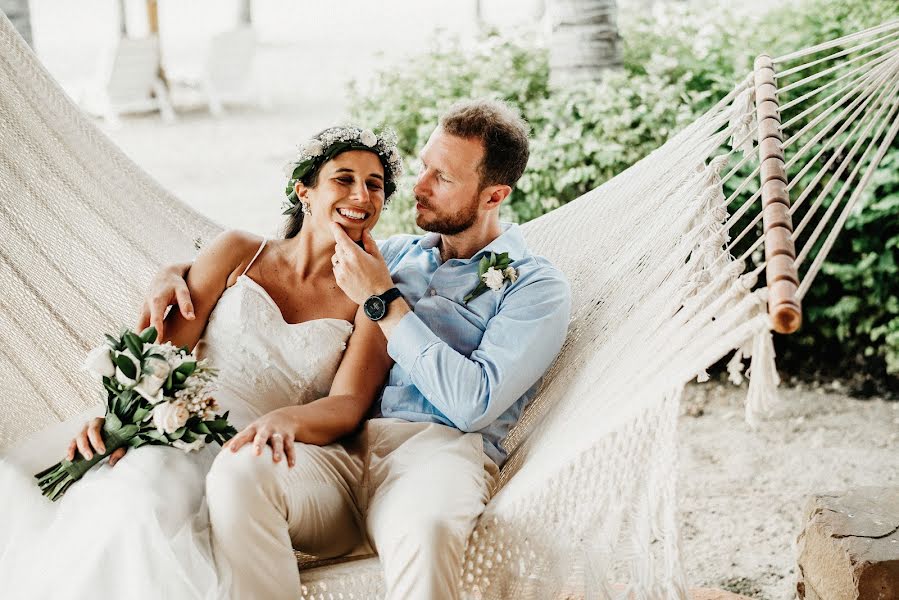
(500, 128)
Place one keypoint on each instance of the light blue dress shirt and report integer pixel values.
(471, 366)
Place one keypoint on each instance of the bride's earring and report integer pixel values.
(304, 206)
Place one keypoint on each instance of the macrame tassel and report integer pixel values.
(763, 378)
(742, 121)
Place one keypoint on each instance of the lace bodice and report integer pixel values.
(264, 362)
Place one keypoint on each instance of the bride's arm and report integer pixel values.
(206, 280)
(358, 382)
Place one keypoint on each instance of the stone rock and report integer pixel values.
(849, 547)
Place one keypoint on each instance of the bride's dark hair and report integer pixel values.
(295, 219)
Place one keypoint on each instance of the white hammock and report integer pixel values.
(662, 282)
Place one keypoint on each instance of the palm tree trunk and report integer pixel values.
(584, 42)
(20, 15)
(245, 13)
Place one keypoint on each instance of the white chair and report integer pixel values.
(228, 70)
(128, 81)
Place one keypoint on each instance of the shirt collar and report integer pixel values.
(510, 240)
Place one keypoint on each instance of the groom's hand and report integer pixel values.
(359, 273)
(166, 288)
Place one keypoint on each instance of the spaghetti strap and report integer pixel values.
(258, 252)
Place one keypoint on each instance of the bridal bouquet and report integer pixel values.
(155, 394)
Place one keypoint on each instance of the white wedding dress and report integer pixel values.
(140, 530)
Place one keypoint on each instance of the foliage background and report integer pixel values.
(678, 61)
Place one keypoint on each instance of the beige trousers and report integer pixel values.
(411, 491)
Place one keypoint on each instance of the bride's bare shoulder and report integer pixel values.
(230, 251)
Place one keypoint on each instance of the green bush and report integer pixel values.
(676, 65)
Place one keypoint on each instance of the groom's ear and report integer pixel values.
(493, 195)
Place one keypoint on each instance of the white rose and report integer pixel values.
(156, 370)
(189, 447)
(511, 274)
(99, 362)
(493, 278)
(313, 148)
(121, 377)
(170, 416)
(368, 138)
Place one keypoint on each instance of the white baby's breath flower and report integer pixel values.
(368, 138)
(170, 416)
(99, 362)
(191, 446)
(511, 274)
(313, 148)
(494, 279)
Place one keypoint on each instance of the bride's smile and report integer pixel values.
(348, 190)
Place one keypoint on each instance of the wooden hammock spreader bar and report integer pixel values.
(780, 252)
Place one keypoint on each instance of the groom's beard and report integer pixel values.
(446, 224)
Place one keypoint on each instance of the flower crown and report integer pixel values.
(334, 140)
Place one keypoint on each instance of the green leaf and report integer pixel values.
(128, 431)
(134, 344)
(177, 434)
(155, 434)
(483, 265)
(148, 335)
(113, 342)
(113, 423)
(186, 368)
(126, 365)
(140, 413)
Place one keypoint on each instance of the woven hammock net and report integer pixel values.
(666, 262)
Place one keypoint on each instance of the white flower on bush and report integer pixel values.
(189, 446)
(168, 417)
(313, 148)
(368, 138)
(511, 274)
(494, 279)
(99, 362)
(156, 371)
(121, 377)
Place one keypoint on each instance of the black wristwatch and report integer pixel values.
(375, 307)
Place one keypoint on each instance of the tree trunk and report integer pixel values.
(20, 15)
(584, 40)
(245, 13)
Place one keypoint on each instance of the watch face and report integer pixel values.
(374, 308)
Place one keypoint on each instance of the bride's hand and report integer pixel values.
(90, 440)
(275, 429)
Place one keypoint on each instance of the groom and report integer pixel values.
(469, 353)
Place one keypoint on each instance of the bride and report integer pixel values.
(297, 359)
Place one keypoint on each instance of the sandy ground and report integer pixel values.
(742, 491)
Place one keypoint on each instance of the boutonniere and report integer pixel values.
(493, 272)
